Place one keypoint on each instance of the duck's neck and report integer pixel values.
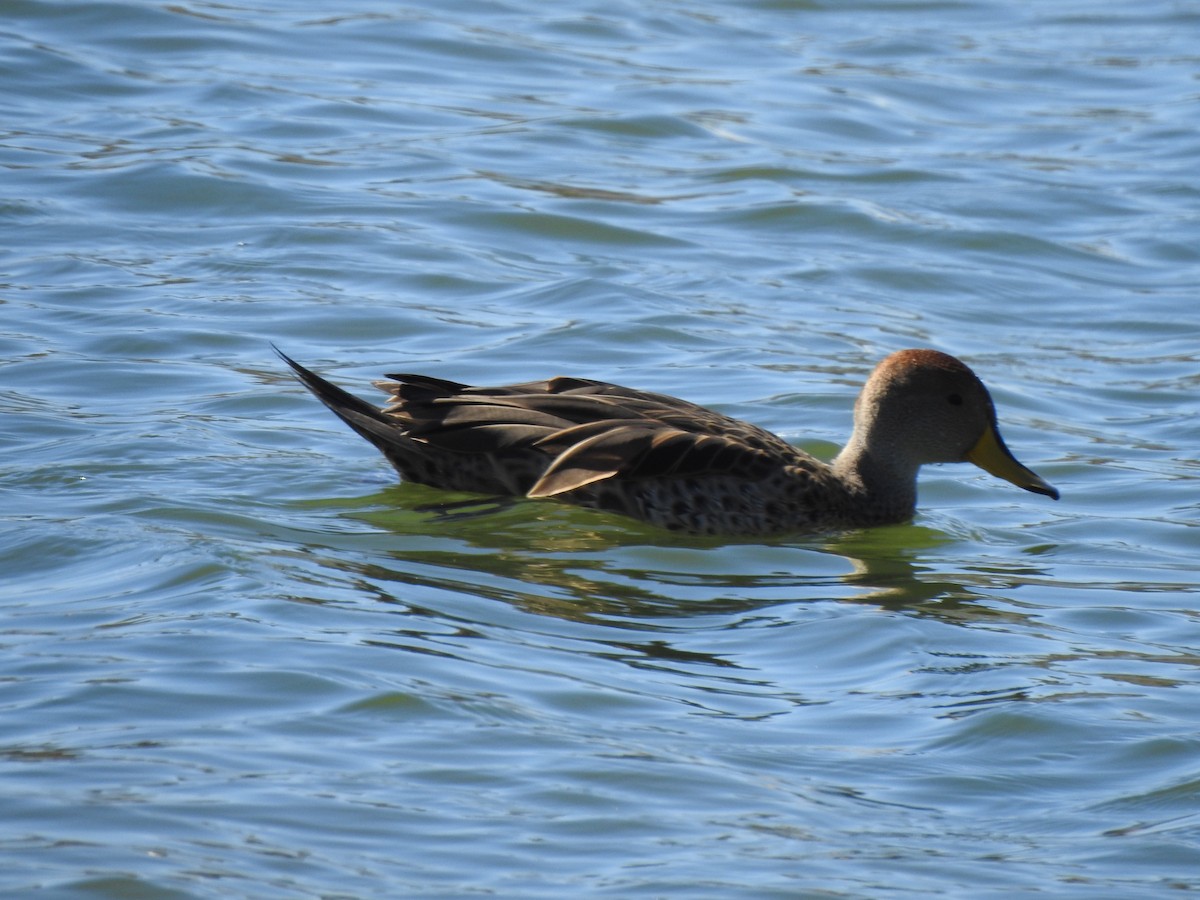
(886, 482)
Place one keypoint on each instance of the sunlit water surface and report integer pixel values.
(238, 659)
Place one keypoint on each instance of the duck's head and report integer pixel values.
(924, 406)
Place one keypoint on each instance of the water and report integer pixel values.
(240, 660)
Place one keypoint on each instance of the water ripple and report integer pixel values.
(239, 657)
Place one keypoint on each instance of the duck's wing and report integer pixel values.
(584, 431)
(564, 402)
(642, 450)
(545, 438)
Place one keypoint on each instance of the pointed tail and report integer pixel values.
(361, 416)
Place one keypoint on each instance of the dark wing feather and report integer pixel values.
(485, 438)
(644, 450)
(420, 388)
(584, 431)
(558, 434)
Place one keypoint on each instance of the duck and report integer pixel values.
(675, 464)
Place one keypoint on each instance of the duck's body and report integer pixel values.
(678, 465)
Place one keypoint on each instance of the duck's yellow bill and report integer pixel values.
(990, 454)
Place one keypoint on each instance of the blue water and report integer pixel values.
(238, 659)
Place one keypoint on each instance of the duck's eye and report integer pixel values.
(955, 399)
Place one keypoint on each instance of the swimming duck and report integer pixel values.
(678, 465)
